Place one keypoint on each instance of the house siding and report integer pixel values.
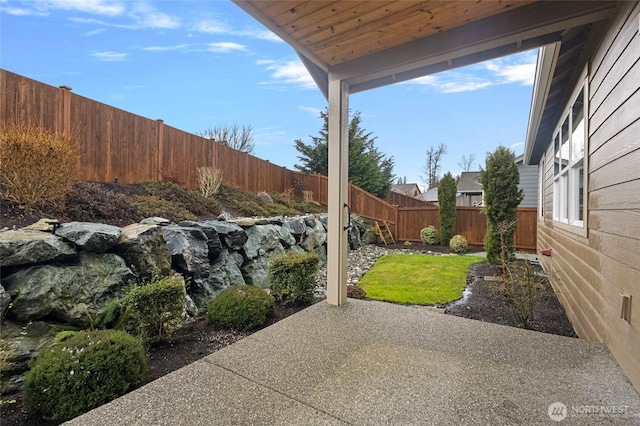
(590, 273)
(529, 185)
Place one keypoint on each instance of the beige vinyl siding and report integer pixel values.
(589, 274)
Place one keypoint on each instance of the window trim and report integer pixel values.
(568, 185)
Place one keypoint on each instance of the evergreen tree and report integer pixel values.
(368, 167)
(502, 196)
(447, 200)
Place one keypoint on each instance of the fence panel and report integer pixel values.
(526, 228)
(403, 200)
(30, 102)
(412, 219)
(472, 224)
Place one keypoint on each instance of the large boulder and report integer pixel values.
(355, 233)
(20, 343)
(26, 247)
(265, 238)
(94, 237)
(145, 250)
(315, 235)
(256, 271)
(233, 235)
(298, 227)
(224, 272)
(71, 293)
(189, 250)
(213, 238)
(5, 300)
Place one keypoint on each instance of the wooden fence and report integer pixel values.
(470, 223)
(118, 145)
(404, 200)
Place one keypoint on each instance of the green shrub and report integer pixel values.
(241, 307)
(292, 277)
(36, 165)
(84, 371)
(187, 199)
(109, 317)
(429, 235)
(152, 205)
(447, 201)
(458, 244)
(154, 310)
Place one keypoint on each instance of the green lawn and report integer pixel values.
(417, 279)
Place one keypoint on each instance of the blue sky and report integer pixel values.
(197, 63)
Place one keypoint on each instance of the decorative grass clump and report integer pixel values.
(241, 307)
(292, 278)
(417, 279)
(84, 371)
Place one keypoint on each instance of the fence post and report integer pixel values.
(66, 110)
(160, 133)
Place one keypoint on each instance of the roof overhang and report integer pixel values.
(456, 36)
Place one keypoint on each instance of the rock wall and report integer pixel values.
(59, 275)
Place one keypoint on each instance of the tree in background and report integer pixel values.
(466, 163)
(234, 136)
(431, 169)
(447, 200)
(368, 168)
(502, 196)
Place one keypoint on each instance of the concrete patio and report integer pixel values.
(377, 363)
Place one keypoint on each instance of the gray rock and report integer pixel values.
(94, 237)
(19, 344)
(233, 235)
(145, 250)
(256, 271)
(70, 293)
(224, 272)
(264, 238)
(213, 238)
(155, 220)
(224, 215)
(298, 226)
(5, 301)
(355, 233)
(25, 247)
(44, 225)
(189, 250)
(315, 235)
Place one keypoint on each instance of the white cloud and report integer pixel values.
(148, 17)
(95, 7)
(110, 56)
(225, 46)
(95, 32)
(217, 47)
(259, 34)
(211, 26)
(19, 11)
(289, 72)
(514, 69)
(313, 110)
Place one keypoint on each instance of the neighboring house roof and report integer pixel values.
(430, 195)
(469, 182)
(406, 188)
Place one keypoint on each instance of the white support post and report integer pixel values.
(338, 192)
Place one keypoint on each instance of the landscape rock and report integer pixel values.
(315, 235)
(298, 227)
(145, 250)
(256, 271)
(71, 293)
(44, 225)
(20, 343)
(93, 237)
(213, 238)
(26, 247)
(155, 220)
(5, 301)
(264, 238)
(188, 249)
(224, 272)
(232, 235)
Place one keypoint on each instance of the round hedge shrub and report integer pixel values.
(241, 307)
(458, 244)
(429, 235)
(84, 371)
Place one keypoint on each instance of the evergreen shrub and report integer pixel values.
(430, 235)
(241, 307)
(292, 278)
(84, 371)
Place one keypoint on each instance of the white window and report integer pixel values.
(569, 143)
